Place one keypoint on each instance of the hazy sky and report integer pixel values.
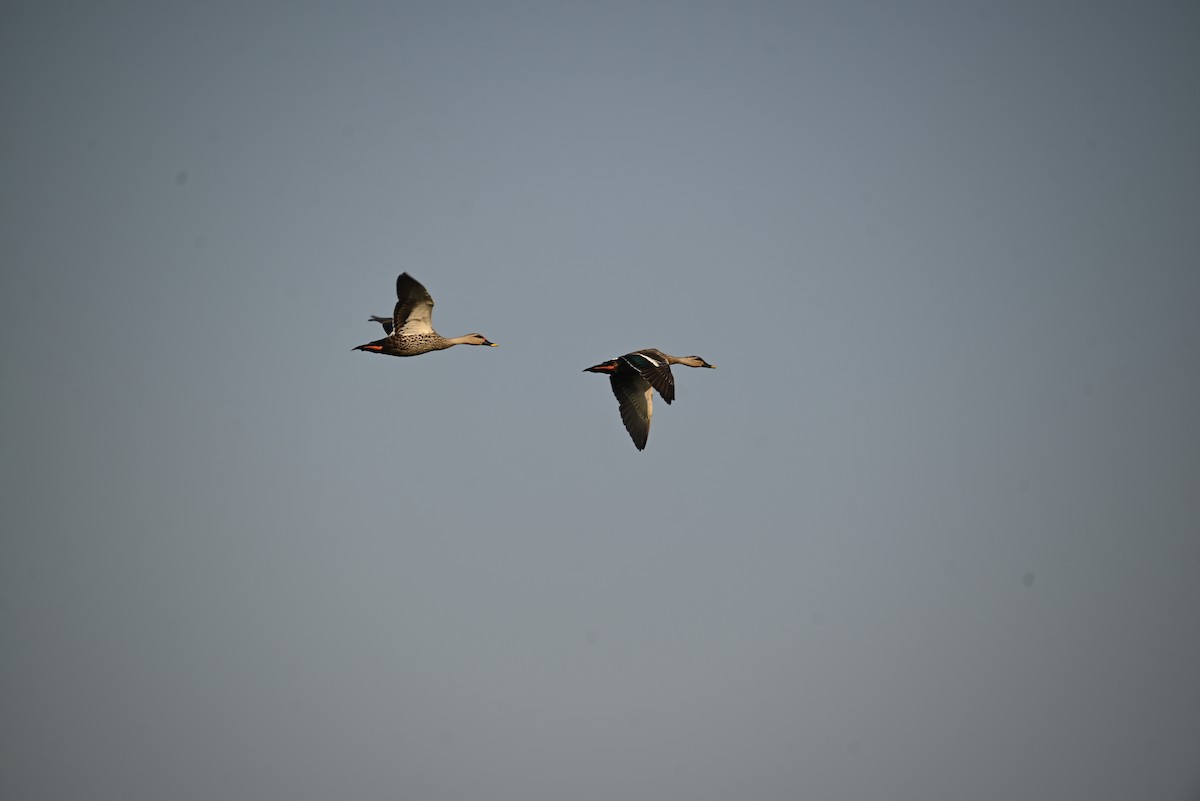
(930, 531)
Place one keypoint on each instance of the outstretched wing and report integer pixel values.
(652, 365)
(635, 398)
(414, 307)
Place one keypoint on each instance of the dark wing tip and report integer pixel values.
(409, 289)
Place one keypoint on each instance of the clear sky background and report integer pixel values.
(930, 531)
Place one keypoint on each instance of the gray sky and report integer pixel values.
(931, 530)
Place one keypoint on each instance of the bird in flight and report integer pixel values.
(410, 330)
(634, 377)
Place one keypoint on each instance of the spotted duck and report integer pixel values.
(410, 331)
(634, 376)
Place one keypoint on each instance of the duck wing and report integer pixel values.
(653, 367)
(386, 322)
(414, 307)
(634, 395)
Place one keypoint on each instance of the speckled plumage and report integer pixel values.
(634, 377)
(410, 331)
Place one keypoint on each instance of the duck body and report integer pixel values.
(635, 377)
(410, 332)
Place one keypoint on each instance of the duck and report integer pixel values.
(410, 330)
(634, 377)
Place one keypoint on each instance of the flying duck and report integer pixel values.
(410, 331)
(634, 376)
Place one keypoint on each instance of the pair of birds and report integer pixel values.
(633, 376)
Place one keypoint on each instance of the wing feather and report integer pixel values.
(653, 367)
(634, 396)
(414, 307)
